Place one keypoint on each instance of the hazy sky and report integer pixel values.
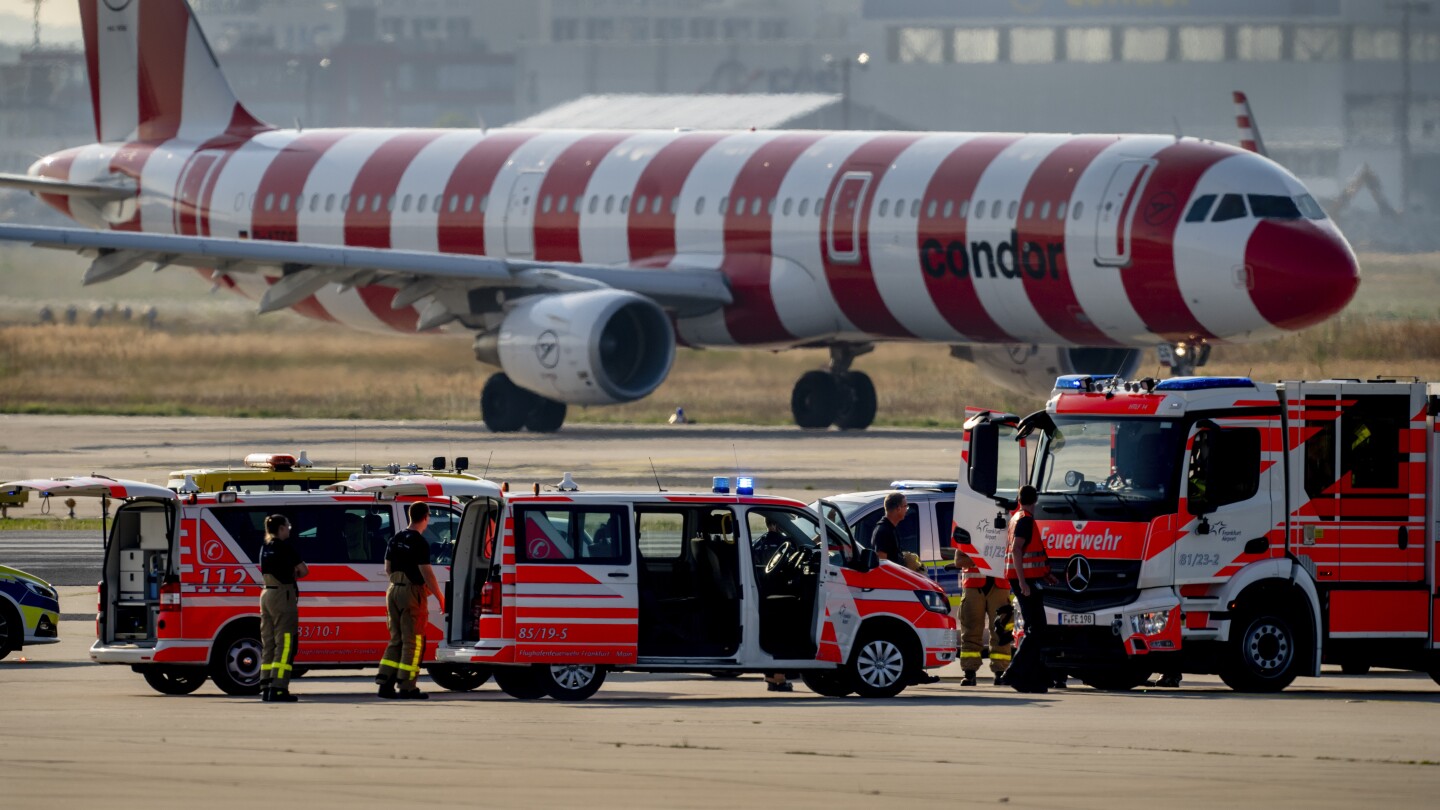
(59, 21)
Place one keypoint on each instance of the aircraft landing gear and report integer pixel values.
(506, 408)
(1184, 357)
(838, 396)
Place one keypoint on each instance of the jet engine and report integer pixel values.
(599, 347)
(1031, 370)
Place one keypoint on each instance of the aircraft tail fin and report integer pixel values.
(1250, 139)
(153, 76)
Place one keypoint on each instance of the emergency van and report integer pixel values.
(286, 472)
(552, 591)
(1218, 525)
(180, 587)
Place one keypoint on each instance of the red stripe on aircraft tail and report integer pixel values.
(160, 49)
(853, 285)
(556, 233)
(651, 233)
(749, 252)
(90, 27)
(1150, 278)
(948, 276)
(463, 230)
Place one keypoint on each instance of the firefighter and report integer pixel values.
(1028, 568)
(280, 567)
(980, 605)
(407, 562)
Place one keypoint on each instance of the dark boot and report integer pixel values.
(267, 694)
(969, 678)
(282, 696)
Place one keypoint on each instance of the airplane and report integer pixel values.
(578, 261)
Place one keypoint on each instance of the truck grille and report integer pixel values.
(1112, 584)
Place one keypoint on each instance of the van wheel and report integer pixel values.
(235, 664)
(827, 684)
(521, 683)
(1264, 656)
(174, 680)
(571, 681)
(459, 679)
(879, 666)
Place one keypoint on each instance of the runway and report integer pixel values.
(60, 558)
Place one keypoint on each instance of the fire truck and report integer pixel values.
(1219, 525)
(180, 582)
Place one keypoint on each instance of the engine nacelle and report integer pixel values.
(599, 347)
(1032, 370)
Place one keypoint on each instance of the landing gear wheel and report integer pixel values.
(504, 405)
(1263, 654)
(459, 679)
(858, 404)
(235, 665)
(879, 667)
(174, 681)
(521, 683)
(1355, 668)
(571, 681)
(547, 416)
(1121, 679)
(827, 684)
(814, 403)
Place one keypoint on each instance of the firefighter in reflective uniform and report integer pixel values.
(407, 562)
(1027, 566)
(979, 605)
(280, 567)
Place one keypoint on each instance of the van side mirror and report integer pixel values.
(984, 458)
(865, 560)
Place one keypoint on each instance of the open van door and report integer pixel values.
(477, 562)
(97, 486)
(419, 486)
(992, 469)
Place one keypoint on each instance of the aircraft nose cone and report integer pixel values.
(1302, 274)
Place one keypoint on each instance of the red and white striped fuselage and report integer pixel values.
(1066, 240)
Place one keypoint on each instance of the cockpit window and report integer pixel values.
(1309, 207)
(1273, 206)
(1201, 208)
(1232, 206)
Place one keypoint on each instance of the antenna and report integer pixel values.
(658, 488)
(486, 474)
(736, 453)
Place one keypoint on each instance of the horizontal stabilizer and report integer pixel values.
(62, 188)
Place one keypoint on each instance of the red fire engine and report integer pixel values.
(1217, 525)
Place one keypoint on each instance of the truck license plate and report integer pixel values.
(1077, 619)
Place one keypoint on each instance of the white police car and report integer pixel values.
(29, 611)
(924, 531)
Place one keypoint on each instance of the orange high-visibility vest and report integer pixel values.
(1034, 563)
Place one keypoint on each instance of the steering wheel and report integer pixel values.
(780, 569)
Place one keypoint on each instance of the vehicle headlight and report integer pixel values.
(934, 601)
(1151, 623)
(42, 591)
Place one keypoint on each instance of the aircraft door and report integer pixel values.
(1117, 211)
(520, 215)
(842, 223)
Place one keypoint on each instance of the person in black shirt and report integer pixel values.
(280, 566)
(885, 540)
(407, 562)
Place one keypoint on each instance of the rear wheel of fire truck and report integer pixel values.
(828, 683)
(521, 683)
(459, 679)
(174, 680)
(858, 403)
(547, 416)
(504, 406)
(1119, 679)
(235, 663)
(1264, 652)
(814, 402)
(572, 681)
(881, 664)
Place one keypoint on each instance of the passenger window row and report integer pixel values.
(1262, 206)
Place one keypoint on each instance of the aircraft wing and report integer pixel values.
(415, 275)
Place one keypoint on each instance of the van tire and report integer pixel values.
(12, 630)
(521, 683)
(827, 683)
(174, 680)
(1265, 651)
(881, 664)
(459, 679)
(571, 681)
(235, 661)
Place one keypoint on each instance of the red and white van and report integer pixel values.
(180, 588)
(552, 591)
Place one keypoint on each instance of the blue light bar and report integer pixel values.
(1203, 383)
(720, 485)
(744, 485)
(1081, 382)
(939, 486)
